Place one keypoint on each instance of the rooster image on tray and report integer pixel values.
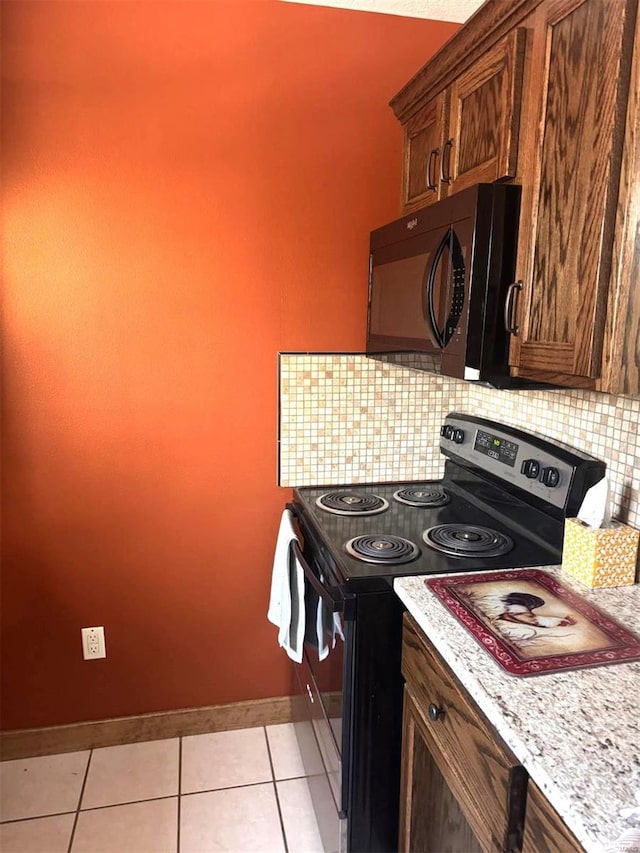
(513, 615)
(531, 623)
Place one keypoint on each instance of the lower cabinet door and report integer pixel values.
(431, 821)
(544, 830)
(487, 785)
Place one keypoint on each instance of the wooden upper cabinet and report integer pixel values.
(484, 117)
(467, 133)
(621, 355)
(579, 79)
(424, 133)
(546, 94)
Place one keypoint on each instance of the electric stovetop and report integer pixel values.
(536, 539)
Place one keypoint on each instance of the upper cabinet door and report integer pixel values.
(580, 72)
(484, 117)
(425, 133)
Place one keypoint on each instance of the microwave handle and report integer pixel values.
(435, 333)
(441, 337)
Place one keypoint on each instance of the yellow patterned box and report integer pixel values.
(600, 556)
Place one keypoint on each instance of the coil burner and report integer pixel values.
(425, 494)
(467, 540)
(352, 503)
(382, 548)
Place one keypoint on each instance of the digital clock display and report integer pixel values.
(497, 448)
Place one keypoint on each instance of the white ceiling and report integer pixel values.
(435, 10)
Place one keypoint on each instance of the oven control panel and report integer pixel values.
(551, 471)
(496, 447)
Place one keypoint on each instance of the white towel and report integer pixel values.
(324, 624)
(328, 627)
(286, 602)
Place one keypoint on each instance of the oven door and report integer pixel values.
(324, 735)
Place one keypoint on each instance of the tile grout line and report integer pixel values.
(117, 805)
(275, 790)
(179, 792)
(150, 800)
(75, 820)
(35, 817)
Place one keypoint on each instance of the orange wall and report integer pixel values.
(189, 188)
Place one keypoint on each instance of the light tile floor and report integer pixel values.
(236, 791)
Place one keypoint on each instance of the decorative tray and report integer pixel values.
(531, 624)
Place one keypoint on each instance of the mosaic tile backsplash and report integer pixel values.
(350, 419)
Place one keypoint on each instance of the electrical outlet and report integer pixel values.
(93, 646)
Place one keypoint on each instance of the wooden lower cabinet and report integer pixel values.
(462, 791)
(544, 830)
(430, 817)
(460, 786)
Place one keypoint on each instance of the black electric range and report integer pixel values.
(497, 478)
(500, 504)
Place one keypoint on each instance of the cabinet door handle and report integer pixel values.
(435, 713)
(445, 176)
(509, 308)
(432, 168)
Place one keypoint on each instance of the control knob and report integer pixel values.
(458, 436)
(550, 477)
(447, 431)
(530, 468)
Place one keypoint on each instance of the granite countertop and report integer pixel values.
(577, 733)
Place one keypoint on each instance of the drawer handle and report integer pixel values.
(435, 713)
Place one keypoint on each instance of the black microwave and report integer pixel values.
(440, 283)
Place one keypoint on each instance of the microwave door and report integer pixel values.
(397, 319)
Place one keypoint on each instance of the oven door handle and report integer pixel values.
(337, 599)
(332, 598)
